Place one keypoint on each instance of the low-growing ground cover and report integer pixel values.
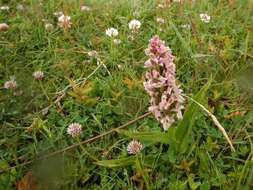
(72, 70)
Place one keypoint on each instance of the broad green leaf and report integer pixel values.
(184, 128)
(150, 137)
(117, 162)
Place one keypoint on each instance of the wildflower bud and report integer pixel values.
(4, 27)
(38, 75)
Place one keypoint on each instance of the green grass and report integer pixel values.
(113, 95)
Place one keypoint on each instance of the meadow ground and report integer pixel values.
(97, 81)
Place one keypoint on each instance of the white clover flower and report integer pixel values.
(4, 27)
(49, 26)
(160, 20)
(161, 6)
(134, 147)
(74, 129)
(119, 66)
(38, 75)
(64, 21)
(116, 41)
(20, 7)
(58, 13)
(205, 17)
(93, 53)
(112, 32)
(4, 8)
(134, 25)
(11, 84)
(187, 26)
(85, 8)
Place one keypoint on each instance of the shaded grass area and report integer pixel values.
(221, 49)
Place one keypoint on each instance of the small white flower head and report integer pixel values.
(74, 129)
(58, 13)
(64, 21)
(134, 147)
(11, 84)
(116, 41)
(205, 17)
(49, 26)
(85, 8)
(38, 75)
(161, 6)
(4, 27)
(186, 26)
(119, 66)
(134, 25)
(160, 20)
(4, 8)
(93, 53)
(177, 1)
(112, 32)
(20, 7)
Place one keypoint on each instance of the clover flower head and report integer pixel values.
(85, 8)
(74, 129)
(112, 32)
(38, 75)
(161, 6)
(11, 84)
(134, 25)
(186, 26)
(116, 41)
(93, 53)
(160, 20)
(134, 147)
(58, 13)
(205, 17)
(4, 27)
(166, 101)
(64, 21)
(49, 26)
(4, 8)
